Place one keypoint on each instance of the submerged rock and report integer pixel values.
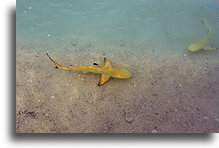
(129, 119)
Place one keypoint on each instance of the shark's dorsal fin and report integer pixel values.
(103, 79)
(107, 63)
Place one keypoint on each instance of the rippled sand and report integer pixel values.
(165, 95)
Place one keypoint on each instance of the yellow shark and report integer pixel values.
(201, 43)
(106, 71)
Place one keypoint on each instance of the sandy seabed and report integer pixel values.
(165, 95)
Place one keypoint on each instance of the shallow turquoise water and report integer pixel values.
(162, 25)
(171, 90)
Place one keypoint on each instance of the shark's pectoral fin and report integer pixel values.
(103, 79)
(208, 47)
(107, 63)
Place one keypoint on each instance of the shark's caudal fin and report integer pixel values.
(103, 77)
(58, 66)
(204, 21)
(207, 47)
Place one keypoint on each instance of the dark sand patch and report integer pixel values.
(164, 95)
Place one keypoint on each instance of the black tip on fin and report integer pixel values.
(95, 64)
(104, 59)
(56, 67)
(99, 84)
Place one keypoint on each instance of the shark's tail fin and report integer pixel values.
(204, 21)
(58, 66)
